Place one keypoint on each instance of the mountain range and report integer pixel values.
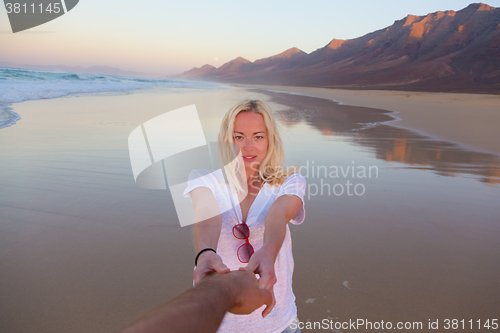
(442, 51)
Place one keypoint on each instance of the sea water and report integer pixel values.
(19, 84)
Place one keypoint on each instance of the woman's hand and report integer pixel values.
(208, 263)
(262, 263)
(249, 296)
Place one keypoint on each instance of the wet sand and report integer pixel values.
(470, 120)
(83, 249)
(421, 244)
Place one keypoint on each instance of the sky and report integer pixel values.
(168, 37)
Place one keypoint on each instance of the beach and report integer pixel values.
(470, 120)
(413, 238)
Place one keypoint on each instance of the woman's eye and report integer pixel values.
(238, 137)
(259, 137)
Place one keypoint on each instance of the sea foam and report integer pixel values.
(18, 85)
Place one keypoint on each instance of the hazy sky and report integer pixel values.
(167, 37)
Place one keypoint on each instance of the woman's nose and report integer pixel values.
(248, 145)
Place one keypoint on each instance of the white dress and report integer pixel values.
(285, 310)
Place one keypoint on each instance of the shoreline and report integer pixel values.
(45, 84)
(439, 116)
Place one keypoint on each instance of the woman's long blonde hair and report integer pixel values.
(271, 169)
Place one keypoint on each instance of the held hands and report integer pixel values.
(262, 263)
(208, 263)
(249, 296)
(250, 292)
(245, 290)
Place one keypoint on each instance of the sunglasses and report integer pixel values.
(245, 251)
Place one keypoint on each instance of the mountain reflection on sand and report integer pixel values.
(364, 127)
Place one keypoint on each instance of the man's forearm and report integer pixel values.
(198, 310)
(201, 309)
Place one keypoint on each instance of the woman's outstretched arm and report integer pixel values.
(262, 261)
(206, 233)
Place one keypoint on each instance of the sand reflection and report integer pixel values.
(362, 126)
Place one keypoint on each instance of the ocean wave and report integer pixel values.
(18, 85)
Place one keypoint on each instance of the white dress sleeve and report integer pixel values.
(199, 178)
(295, 184)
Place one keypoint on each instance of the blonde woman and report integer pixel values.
(255, 234)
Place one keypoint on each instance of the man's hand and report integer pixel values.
(208, 263)
(201, 309)
(249, 296)
(262, 263)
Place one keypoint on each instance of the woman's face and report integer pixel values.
(250, 134)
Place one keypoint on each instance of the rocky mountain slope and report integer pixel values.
(442, 51)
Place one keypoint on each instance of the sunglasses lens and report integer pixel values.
(241, 231)
(245, 252)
